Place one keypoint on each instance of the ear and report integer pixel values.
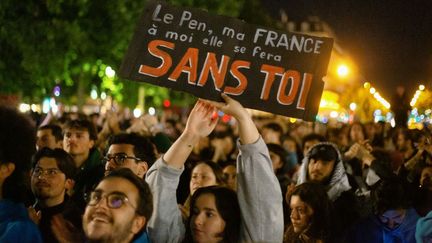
(142, 168)
(6, 170)
(138, 223)
(69, 184)
(92, 143)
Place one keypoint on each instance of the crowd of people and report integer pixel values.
(111, 178)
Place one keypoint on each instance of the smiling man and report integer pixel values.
(118, 209)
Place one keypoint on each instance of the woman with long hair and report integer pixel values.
(310, 210)
(215, 214)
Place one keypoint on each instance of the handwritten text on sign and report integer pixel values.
(193, 51)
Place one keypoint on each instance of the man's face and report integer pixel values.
(48, 182)
(137, 167)
(77, 142)
(45, 138)
(105, 224)
(319, 170)
(392, 218)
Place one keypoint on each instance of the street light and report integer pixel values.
(343, 70)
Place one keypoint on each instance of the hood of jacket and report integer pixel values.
(338, 179)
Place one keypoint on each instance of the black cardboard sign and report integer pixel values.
(193, 51)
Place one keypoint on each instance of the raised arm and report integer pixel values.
(258, 189)
(247, 130)
(199, 124)
(166, 224)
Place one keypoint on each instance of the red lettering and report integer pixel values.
(235, 72)
(191, 57)
(293, 77)
(270, 72)
(218, 73)
(165, 57)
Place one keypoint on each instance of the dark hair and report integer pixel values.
(274, 127)
(143, 148)
(227, 206)
(63, 159)
(323, 151)
(145, 198)
(312, 136)
(217, 171)
(315, 195)
(280, 151)
(389, 193)
(17, 145)
(82, 124)
(56, 131)
(362, 128)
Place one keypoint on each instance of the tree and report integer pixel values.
(72, 43)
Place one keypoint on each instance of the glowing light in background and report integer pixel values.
(109, 72)
(57, 91)
(166, 103)
(342, 70)
(93, 94)
(152, 111)
(24, 107)
(137, 112)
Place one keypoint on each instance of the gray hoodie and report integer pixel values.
(258, 192)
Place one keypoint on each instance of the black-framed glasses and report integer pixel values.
(114, 199)
(48, 172)
(119, 158)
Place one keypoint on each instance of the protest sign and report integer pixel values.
(193, 51)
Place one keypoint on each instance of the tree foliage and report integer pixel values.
(71, 43)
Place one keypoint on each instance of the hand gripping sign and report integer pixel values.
(193, 51)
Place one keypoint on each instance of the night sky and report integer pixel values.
(390, 41)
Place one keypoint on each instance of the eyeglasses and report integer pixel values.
(119, 158)
(114, 200)
(49, 172)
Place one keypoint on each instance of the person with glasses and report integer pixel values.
(118, 209)
(323, 164)
(129, 150)
(52, 176)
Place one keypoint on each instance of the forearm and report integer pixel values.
(178, 153)
(248, 132)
